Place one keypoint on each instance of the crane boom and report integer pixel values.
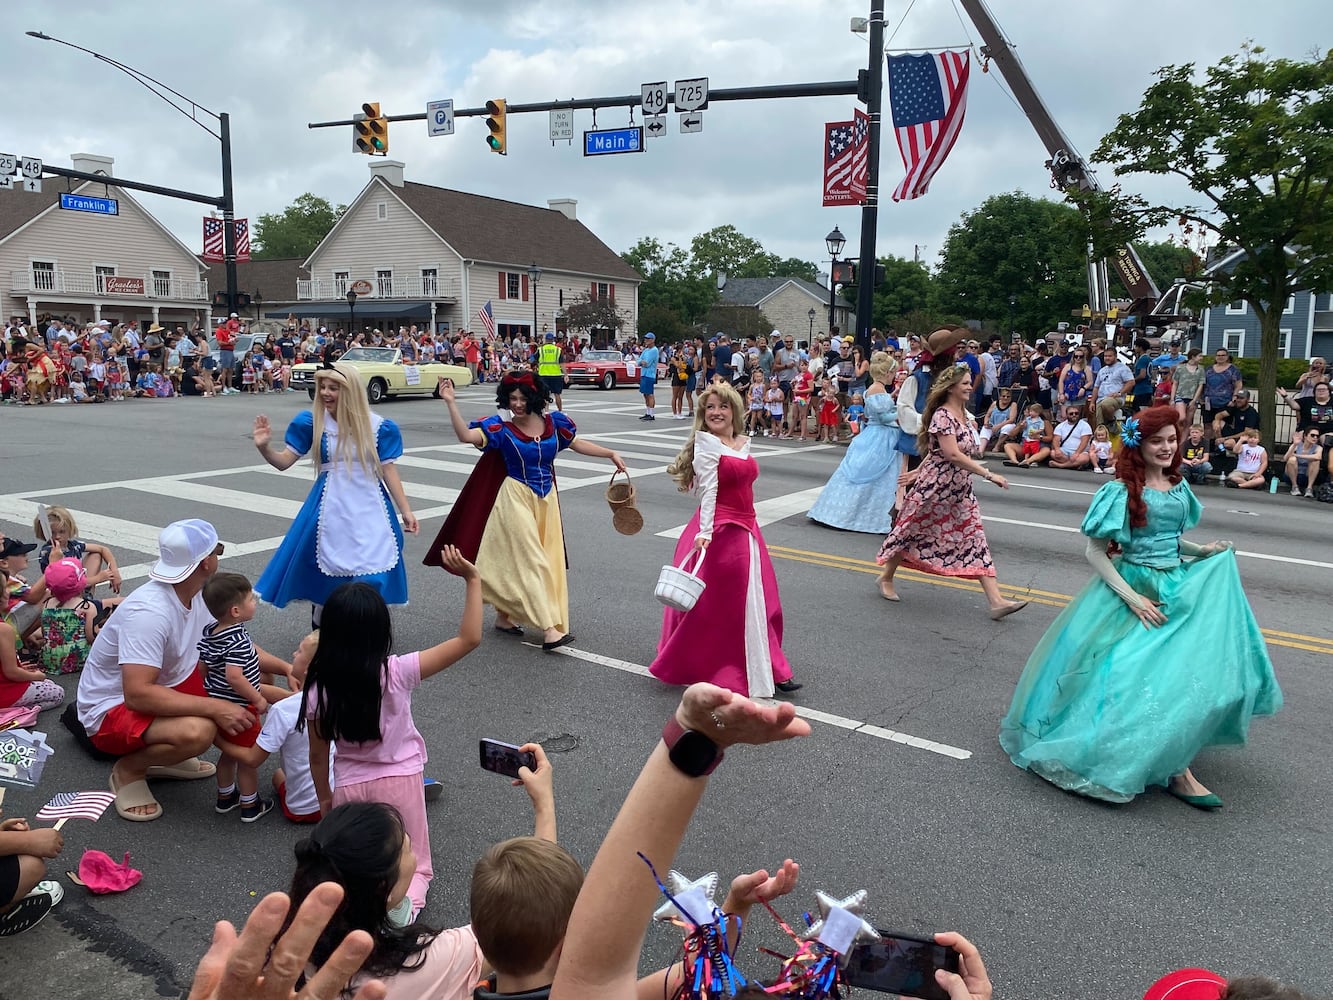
(1069, 170)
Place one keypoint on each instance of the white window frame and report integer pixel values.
(1291, 306)
(1284, 342)
(1232, 311)
(514, 281)
(32, 273)
(434, 270)
(341, 279)
(1239, 350)
(153, 272)
(97, 278)
(381, 275)
(381, 211)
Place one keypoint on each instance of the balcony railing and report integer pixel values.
(321, 289)
(58, 281)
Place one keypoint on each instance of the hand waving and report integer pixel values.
(445, 387)
(262, 433)
(730, 718)
(760, 887)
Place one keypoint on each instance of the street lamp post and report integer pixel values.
(259, 303)
(351, 313)
(811, 338)
(1013, 301)
(534, 276)
(834, 241)
(223, 135)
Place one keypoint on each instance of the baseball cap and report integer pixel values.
(13, 547)
(1243, 394)
(549, 335)
(1187, 984)
(1041, 342)
(650, 336)
(234, 316)
(65, 578)
(181, 547)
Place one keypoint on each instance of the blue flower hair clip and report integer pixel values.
(1129, 433)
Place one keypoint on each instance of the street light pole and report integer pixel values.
(223, 135)
(351, 313)
(1013, 301)
(810, 339)
(833, 242)
(874, 99)
(534, 276)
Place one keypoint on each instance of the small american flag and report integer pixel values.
(487, 317)
(928, 96)
(213, 239)
(76, 805)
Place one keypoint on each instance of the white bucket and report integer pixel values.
(678, 587)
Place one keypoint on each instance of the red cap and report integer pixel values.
(1187, 984)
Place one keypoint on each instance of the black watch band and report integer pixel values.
(692, 753)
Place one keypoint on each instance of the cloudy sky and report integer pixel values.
(276, 65)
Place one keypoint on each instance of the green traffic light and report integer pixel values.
(493, 142)
(378, 143)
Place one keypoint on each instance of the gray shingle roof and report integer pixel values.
(751, 291)
(18, 207)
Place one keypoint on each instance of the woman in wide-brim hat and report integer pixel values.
(507, 518)
(347, 530)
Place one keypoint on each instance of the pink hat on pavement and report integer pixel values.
(1187, 984)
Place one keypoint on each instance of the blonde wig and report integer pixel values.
(882, 367)
(356, 439)
(682, 469)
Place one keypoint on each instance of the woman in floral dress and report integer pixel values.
(939, 528)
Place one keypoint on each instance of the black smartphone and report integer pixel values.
(901, 964)
(506, 759)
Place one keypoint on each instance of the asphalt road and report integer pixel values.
(901, 790)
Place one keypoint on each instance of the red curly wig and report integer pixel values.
(1129, 465)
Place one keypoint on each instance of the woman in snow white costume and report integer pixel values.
(733, 636)
(346, 531)
(1158, 657)
(507, 517)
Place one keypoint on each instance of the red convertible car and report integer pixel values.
(607, 369)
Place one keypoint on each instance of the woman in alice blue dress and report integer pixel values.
(862, 490)
(346, 531)
(1157, 658)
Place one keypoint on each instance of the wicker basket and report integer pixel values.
(679, 587)
(620, 495)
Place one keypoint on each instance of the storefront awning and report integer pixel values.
(336, 309)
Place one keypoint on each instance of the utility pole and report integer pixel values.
(228, 212)
(874, 102)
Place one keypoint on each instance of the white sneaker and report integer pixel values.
(1295, 491)
(51, 887)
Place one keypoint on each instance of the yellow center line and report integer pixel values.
(1291, 640)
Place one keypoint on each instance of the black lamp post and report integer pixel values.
(834, 241)
(351, 313)
(811, 314)
(1013, 301)
(534, 276)
(259, 303)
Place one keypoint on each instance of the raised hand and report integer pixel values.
(455, 563)
(445, 387)
(760, 887)
(729, 718)
(262, 433)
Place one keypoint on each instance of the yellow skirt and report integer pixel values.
(522, 558)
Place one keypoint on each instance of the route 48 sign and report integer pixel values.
(24, 172)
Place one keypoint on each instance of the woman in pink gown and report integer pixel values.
(733, 635)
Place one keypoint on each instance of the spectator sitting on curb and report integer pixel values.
(25, 896)
(1194, 464)
(1070, 442)
(1251, 462)
(1035, 433)
(1227, 426)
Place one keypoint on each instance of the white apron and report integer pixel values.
(354, 536)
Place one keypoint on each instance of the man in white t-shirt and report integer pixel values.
(141, 697)
(1071, 443)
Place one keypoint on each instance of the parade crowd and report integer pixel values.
(170, 670)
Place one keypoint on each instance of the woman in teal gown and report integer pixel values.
(861, 491)
(1158, 657)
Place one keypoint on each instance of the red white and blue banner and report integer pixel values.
(927, 97)
(845, 148)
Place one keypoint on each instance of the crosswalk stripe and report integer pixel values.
(114, 532)
(767, 511)
(219, 496)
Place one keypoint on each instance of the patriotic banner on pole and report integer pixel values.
(860, 154)
(214, 246)
(927, 96)
(213, 239)
(839, 154)
(75, 805)
(487, 317)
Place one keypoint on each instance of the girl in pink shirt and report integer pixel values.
(358, 698)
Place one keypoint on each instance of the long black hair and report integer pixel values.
(348, 670)
(533, 389)
(358, 845)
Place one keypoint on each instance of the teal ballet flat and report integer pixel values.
(1208, 803)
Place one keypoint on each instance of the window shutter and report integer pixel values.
(611, 291)
(503, 282)
(525, 288)
(593, 293)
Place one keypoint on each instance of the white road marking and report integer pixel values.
(114, 532)
(812, 714)
(218, 496)
(767, 511)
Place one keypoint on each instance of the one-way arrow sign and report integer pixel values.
(654, 125)
(691, 121)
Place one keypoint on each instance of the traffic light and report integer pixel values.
(370, 134)
(496, 123)
(844, 272)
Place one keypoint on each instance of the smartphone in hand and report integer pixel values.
(505, 758)
(902, 965)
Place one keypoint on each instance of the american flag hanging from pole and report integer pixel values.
(839, 152)
(928, 96)
(860, 154)
(241, 229)
(213, 249)
(487, 317)
(75, 805)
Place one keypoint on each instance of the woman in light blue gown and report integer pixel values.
(861, 491)
(1158, 657)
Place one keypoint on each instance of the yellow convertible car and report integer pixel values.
(385, 374)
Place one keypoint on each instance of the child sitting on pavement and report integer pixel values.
(231, 672)
(291, 782)
(69, 618)
(1251, 462)
(1036, 436)
(1194, 464)
(25, 896)
(22, 607)
(1103, 456)
(97, 559)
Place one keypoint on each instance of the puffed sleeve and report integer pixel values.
(300, 432)
(1193, 508)
(389, 442)
(492, 428)
(886, 414)
(707, 453)
(1108, 515)
(564, 430)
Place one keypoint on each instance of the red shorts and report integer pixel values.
(122, 728)
(247, 738)
(313, 817)
(1031, 447)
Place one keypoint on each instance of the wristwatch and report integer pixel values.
(693, 754)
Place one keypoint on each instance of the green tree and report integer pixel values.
(725, 250)
(585, 313)
(296, 231)
(738, 321)
(1250, 138)
(906, 289)
(1014, 244)
(669, 282)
